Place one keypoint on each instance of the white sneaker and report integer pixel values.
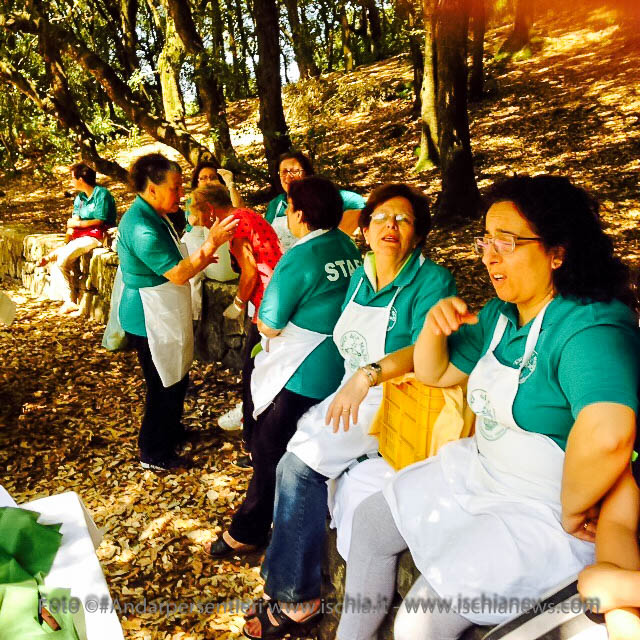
(232, 420)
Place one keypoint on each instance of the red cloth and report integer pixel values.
(265, 246)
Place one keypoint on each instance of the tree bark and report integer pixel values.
(272, 123)
(374, 28)
(136, 109)
(205, 75)
(244, 42)
(476, 80)
(407, 11)
(346, 39)
(459, 198)
(169, 65)
(301, 42)
(429, 144)
(523, 22)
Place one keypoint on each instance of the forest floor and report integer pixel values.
(69, 411)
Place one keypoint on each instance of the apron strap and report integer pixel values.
(172, 231)
(498, 332)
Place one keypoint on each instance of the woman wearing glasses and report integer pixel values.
(293, 166)
(382, 316)
(552, 371)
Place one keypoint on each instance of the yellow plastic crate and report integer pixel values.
(409, 412)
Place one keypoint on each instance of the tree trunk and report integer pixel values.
(328, 26)
(235, 62)
(374, 28)
(205, 75)
(407, 12)
(429, 143)
(459, 198)
(272, 123)
(346, 39)
(301, 41)
(169, 65)
(523, 22)
(244, 42)
(476, 81)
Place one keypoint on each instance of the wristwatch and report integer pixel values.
(373, 372)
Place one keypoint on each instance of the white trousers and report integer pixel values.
(64, 258)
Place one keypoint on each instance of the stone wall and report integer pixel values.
(217, 339)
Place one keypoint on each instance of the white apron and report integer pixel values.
(169, 324)
(280, 226)
(278, 361)
(360, 335)
(484, 515)
(281, 356)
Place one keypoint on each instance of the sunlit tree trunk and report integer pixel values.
(347, 52)
(169, 65)
(476, 80)
(522, 24)
(429, 143)
(275, 132)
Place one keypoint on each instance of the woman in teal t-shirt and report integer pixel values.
(155, 309)
(299, 364)
(551, 366)
(294, 165)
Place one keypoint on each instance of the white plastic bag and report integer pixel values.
(114, 337)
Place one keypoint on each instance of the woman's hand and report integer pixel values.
(582, 525)
(448, 315)
(227, 176)
(347, 400)
(599, 585)
(221, 231)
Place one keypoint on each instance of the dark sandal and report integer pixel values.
(285, 624)
(220, 549)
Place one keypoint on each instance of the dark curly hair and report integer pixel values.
(151, 167)
(206, 164)
(566, 216)
(417, 199)
(84, 171)
(319, 201)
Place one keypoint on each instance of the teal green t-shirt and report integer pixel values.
(307, 288)
(100, 206)
(586, 353)
(423, 283)
(278, 206)
(146, 250)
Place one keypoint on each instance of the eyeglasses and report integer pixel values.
(400, 218)
(207, 178)
(293, 173)
(503, 243)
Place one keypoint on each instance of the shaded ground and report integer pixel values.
(70, 411)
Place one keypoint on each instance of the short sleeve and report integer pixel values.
(467, 344)
(351, 200)
(445, 287)
(156, 251)
(283, 294)
(600, 364)
(272, 208)
(104, 207)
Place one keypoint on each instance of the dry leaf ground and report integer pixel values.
(70, 411)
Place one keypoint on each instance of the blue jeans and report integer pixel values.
(293, 562)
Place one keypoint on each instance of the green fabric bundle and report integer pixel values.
(27, 551)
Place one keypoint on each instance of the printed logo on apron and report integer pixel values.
(481, 406)
(393, 318)
(353, 346)
(528, 368)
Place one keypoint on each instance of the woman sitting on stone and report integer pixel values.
(552, 371)
(294, 165)
(382, 316)
(299, 365)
